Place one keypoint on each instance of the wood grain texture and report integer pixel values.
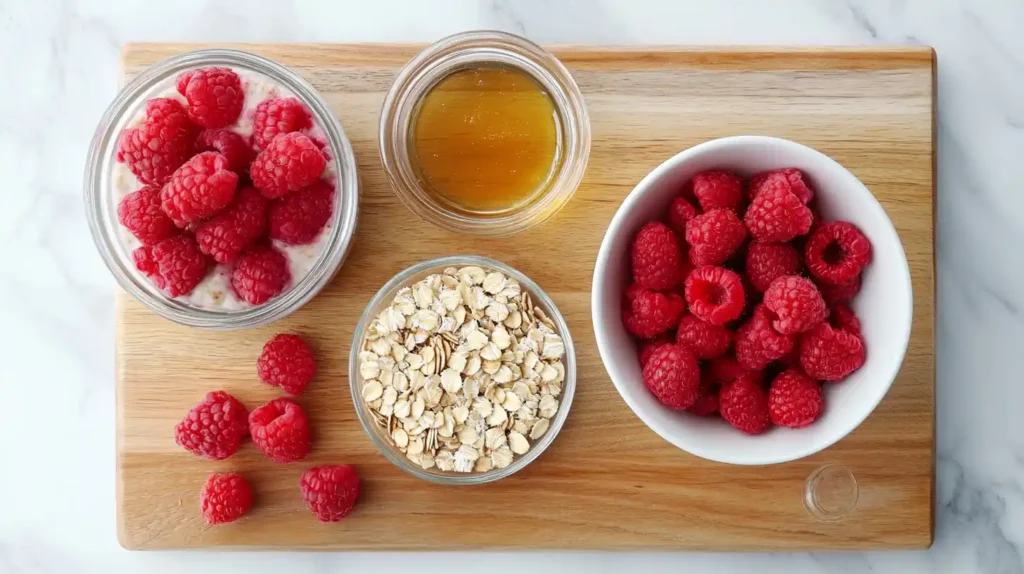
(608, 481)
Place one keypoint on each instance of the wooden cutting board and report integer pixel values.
(607, 482)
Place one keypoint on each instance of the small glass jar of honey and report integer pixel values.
(484, 133)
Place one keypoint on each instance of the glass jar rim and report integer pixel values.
(103, 224)
(446, 56)
(402, 278)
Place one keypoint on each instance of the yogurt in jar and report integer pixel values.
(214, 292)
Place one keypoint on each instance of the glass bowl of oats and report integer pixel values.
(462, 370)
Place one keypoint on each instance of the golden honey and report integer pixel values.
(485, 139)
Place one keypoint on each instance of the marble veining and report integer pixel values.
(60, 70)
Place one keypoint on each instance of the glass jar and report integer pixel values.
(101, 199)
(481, 48)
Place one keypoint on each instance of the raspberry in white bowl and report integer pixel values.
(221, 190)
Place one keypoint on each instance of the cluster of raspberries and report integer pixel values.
(739, 300)
(210, 195)
(216, 427)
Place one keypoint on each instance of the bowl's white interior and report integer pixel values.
(884, 304)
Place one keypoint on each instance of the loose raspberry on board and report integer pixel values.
(214, 428)
(225, 497)
(330, 491)
(280, 429)
(287, 362)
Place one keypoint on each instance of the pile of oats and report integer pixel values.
(462, 371)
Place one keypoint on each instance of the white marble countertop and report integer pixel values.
(59, 70)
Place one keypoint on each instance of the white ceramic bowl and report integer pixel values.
(884, 304)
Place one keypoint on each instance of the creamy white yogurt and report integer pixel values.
(214, 293)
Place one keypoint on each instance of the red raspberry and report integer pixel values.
(297, 218)
(213, 428)
(707, 341)
(672, 376)
(837, 252)
(758, 343)
(198, 189)
(679, 213)
(792, 178)
(330, 491)
(281, 430)
(744, 404)
(278, 116)
(766, 262)
(648, 347)
(260, 274)
(286, 362)
(830, 354)
(181, 82)
(648, 314)
(794, 400)
(777, 215)
(140, 212)
(796, 302)
(725, 369)
(291, 162)
(715, 294)
(707, 398)
(226, 234)
(160, 144)
(835, 294)
(714, 236)
(656, 257)
(225, 498)
(144, 262)
(718, 190)
(214, 95)
(175, 265)
(230, 145)
(843, 318)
